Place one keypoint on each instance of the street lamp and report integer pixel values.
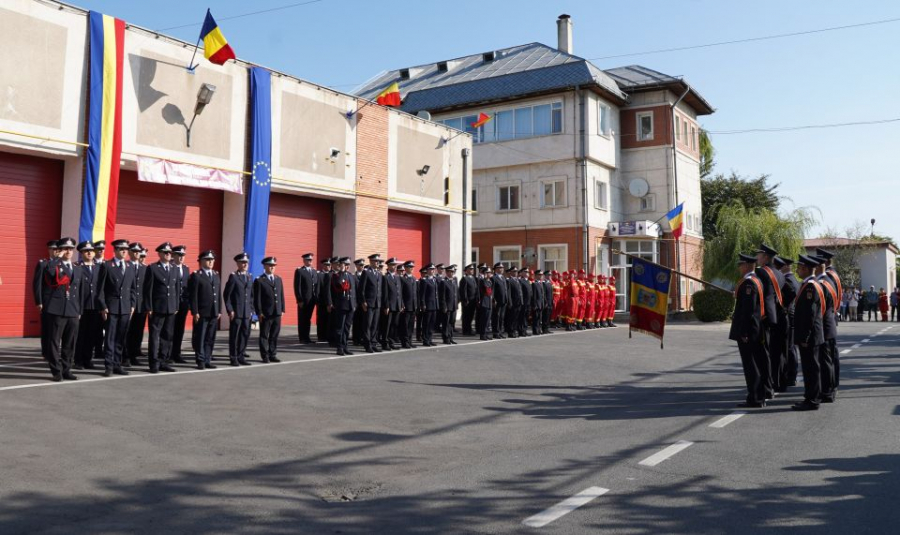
(204, 97)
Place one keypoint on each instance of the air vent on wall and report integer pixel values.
(442, 66)
(404, 74)
(488, 57)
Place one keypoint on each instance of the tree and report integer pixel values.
(756, 195)
(707, 155)
(742, 229)
(849, 248)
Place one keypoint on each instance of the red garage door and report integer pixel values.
(409, 236)
(31, 204)
(297, 225)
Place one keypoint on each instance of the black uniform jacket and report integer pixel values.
(501, 291)
(118, 288)
(390, 292)
(268, 296)
(206, 294)
(90, 288)
(537, 295)
(428, 294)
(61, 289)
(370, 288)
(183, 273)
(789, 291)
(410, 293)
(342, 292)
(468, 289)
(485, 292)
(748, 310)
(808, 314)
(238, 295)
(448, 295)
(306, 285)
(140, 274)
(766, 275)
(831, 301)
(162, 292)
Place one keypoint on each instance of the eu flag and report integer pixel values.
(257, 224)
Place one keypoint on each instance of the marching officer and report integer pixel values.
(809, 332)
(748, 331)
(468, 297)
(538, 303)
(410, 302)
(239, 302)
(370, 303)
(772, 281)
(37, 285)
(161, 294)
(485, 302)
(184, 306)
(324, 278)
(268, 292)
(90, 327)
(391, 304)
(449, 302)
(306, 291)
(341, 303)
(206, 305)
(118, 295)
(62, 299)
(839, 287)
(139, 319)
(788, 375)
(828, 350)
(428, 303)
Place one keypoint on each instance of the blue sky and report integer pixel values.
(830, 77)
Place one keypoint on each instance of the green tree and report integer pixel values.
(707, 155)
(742, 229)
(754, 194)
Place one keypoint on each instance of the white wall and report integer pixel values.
(878, 268)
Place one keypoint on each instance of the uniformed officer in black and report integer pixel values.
(789, 293)
(514, 303)
(809, 333)
(37, 283)
(184, 306)
(118, 294)
(62, 299)
(839, 287)
(501, 301)
(548, 303)
(358, 318)
(468, 298)
(828, 349)
(391, 305)
(537, 302)
(449, 303)
(90, 327)
(139, 319)
(162, 297)
(527, 290)
(485, 302)
(772, 281)
(239, 303)
(747, 330)
(324, 278)
(370, 303)
(99, 251)
(341, 302)
(429, 303)
(409, 298)
(306, 291)
(268, 292)
(206, 306)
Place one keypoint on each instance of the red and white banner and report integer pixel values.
(183, 174)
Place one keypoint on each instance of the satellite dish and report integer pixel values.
(638, 187)
(424, 115)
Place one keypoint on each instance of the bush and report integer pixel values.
(713, 305)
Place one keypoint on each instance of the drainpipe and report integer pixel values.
(582, 137)
(465, 205)
(675, 186)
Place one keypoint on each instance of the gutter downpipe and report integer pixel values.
(465, 205)
(584, 202)
(675, 187)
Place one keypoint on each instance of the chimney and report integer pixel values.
(564, 34)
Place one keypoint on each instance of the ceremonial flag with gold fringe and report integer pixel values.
(104, 130)
(390, 96)
(649, 298)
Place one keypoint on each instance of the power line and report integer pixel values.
(242, 15)
(802, 127)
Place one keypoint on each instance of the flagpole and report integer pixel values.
(685, 275)
(191, 65)
(350, 114)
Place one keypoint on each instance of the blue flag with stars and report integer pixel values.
(257, 225)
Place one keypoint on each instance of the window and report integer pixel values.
(474, 255)
(505, 125)
(690, 222)
(557, 118)
(694, 142)
(507, 197)
(447, 191)
(524, 122)
(553, 194)
(508, 255)
(678, 127)
(648, 203)
(553, 257)
(621, 264)
(604, 116)
(645, 126)
(684, 128)
(474, 200)
(601, 195)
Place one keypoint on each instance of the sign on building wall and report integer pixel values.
(627, 228)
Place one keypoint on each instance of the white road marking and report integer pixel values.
(722, 422)
(865, 341)
(856, 346)
(564, 507)
(661, 456)
(844, 352)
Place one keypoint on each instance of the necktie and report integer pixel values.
(271, 278)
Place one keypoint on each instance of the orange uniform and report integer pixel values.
(590, 295)
(556, 306)
(573, 302)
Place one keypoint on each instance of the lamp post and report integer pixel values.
(204, 97)
(873, 227)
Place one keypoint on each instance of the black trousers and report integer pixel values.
(114, 344)
(537, 321)
(428, 317)
(449, 322)
(162, 331)
(419, 314)
(777, 355)
(238, 337)
(348, 326)
(135, 335)
(836, 357)
(468, 315)
(322, 329)
(341, 324)
(178, 332)
(545, 319)
(90, 338)
(369, 327)
(61, 344)
(792, 355)
(826, 363)
(478, 315)
(765, 368)
(812, 373)
(484, 321)
(269, 329)
(304, 321)
(754, 360)
(498, 319)
(204, 338)
(388, 327)
(511, 321)
(407, 322)
(45, 334)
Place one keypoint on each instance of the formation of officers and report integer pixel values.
(96, 310)
(777, 317)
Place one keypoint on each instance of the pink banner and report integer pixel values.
(183, 174)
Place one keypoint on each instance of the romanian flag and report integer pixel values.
(101, 182)
(483, 119)
(390, 96)
(676, 220)
(215, 47)
(649, 298)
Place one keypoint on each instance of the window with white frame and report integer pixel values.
(553, 193)
(690, 222)
(554, 257)
(694, 141)
(507, 198)
(645, 126)
(648, 203)
(604, 116)
(678, 127)
(684, 127)
(507, 255)
(517, 123)
(601, 195)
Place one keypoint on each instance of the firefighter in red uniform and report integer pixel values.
(611, 302)
(557, 298)
(573, 303)
(598, 303)
(602, 301)
(590, 295)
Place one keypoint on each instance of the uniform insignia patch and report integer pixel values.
(749, 290)
(809, 295)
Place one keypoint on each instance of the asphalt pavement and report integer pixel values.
(571, 433)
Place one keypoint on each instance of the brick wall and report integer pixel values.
(570, 236)
(372, 181)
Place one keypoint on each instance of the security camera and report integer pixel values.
(335, 153)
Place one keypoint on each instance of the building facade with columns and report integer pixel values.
(380, 181)
(575, 162)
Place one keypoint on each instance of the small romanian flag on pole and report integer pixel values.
(390, 96)
(649, 298)
(215, 47)
(676, 221)
(483, 119)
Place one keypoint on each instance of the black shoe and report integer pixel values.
(340, 352)
(211, 366)
(166, 368)
(57, 378)
(120, 371)
(244, 362)
(89, 366)
(201, 366)
(107, 372)
(78, 367)
(804, 406)
(377, 350)
(274, 359)
(404, 345)
(749, 405)
(69, 377)
(369, 350)
(453, 342)
(135, 362)
(179, 360)
(265, 360)
(827, 400)
(348, 352)
(234, 363)
(485, 338)
(154, 370)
